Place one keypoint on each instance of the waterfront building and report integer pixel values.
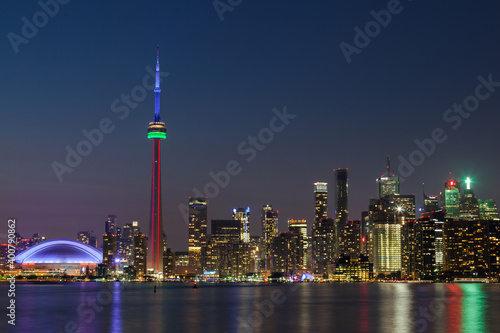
(323, 246)
(140, 254)
(269, 231)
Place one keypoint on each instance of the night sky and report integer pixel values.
(225, 78)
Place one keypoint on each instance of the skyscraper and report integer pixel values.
(111, 224)
(405, 205)
(156, 132)
(300, 227)
(269, 231)
(323, 246)
(140, 253)
(431, 203)
(320, 201)
(341, 197)
(469, 207)
(452, 198)
(386, 221)
(349, 237)
(243, 215)
(197, 231)
(83, 236)
(109, 250)
(388, 183)
(228, 254)
(488, 210)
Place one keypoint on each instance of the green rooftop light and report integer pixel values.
(157, 135)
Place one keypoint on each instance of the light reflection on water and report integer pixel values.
(305, 308)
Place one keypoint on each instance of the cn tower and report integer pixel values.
(156, 132)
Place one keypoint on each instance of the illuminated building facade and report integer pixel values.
(405, 205)
(452, 198)
(323, 246)
(431, 203)
(140, 254)
(300, 227)
(466, 248)
(111, 224)
(418, 249)
(288, 253)
(227, 254)
(386, 255)
(469, 207)
(269, 231)
(320, 201)
(488, 210)
(494, 240)
(388, 183)
(156, 132)
(86, 237)
(357, 269)
(386, 217)
(59, 257)
(197, 232)
(349, 236)
(243, 215)
(109, 250)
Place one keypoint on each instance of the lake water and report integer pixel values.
(177, 308)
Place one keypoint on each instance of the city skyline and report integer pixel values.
(200, 223)
(396, 91)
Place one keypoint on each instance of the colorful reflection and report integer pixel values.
(453, 308)
(473, 308)
(116, 312)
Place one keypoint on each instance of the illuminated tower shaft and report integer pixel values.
(156, 132)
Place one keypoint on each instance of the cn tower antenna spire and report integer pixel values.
(157, 86)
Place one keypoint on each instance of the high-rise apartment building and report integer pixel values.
(320, 201)
(341, 197)
(269, 231)
(197, 232)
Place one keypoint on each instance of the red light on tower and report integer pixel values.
(363, 240)
(452, 183)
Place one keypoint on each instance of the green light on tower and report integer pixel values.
(157, 135)
(467, 181)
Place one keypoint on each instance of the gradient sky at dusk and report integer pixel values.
(225, 79)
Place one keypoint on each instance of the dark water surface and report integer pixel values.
(177, 307)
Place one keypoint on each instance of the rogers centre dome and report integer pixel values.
(60, 251)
